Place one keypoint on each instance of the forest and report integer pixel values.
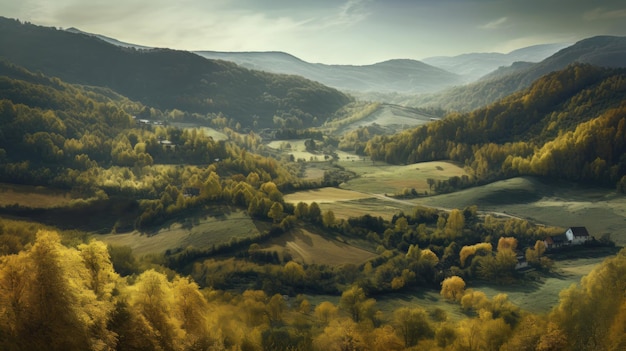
(112, 141)
(568, 125)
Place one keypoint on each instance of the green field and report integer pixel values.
(381, 178)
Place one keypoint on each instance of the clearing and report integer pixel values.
(309, 248)
(382, 178)
(33, 196)
(201, 232)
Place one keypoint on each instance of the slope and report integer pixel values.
(472, 66)
(569, 124)
(168, 79)
(604, 51)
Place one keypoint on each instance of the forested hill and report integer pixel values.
(570, 124)
(604, 51)
(168, 79)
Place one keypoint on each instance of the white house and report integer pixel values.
(577, 235)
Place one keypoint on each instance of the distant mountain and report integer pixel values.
(109, 40)
(169, 79)
(603, 51)
(475, 65)
(404, 76)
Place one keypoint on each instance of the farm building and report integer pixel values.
(572, 236)
(556, 241)
(577, 235)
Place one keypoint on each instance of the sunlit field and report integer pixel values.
(33, 196)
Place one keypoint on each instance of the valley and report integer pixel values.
(160, 199)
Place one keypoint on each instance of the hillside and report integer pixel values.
(569, 124)
(473, 66)
(404, 76)
(603, 51)
(168, 79)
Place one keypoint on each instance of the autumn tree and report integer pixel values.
(357, 304)
(412, 324)
(452, 288)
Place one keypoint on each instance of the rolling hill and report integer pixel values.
(604, 51)
(405, 76)
(473, 66)
(568, 124)
(169, 79)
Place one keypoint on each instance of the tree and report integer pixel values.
(340, 335)
(325, 312)
(276, 212)
(357, 304)
(452, 288)
(430, 182)
(315, 213)
(294, 273)
(328, 219)
(455, 224)
(413, 325)
(153, 300)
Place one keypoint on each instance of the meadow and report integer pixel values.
(33, 196)
(200, 232)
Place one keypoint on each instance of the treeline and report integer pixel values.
(420, 249)
(568, 125)
(75, 300)
(168, 79)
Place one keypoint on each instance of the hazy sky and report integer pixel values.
(332, 31)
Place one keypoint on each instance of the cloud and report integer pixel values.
(349, 14)
(602, 13)
(495, 24)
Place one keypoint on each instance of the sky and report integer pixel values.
(333, 31)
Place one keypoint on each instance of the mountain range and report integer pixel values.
(169, 79)
(393, 76)
(211, 82)
(603, 51)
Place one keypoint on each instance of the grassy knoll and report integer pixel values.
(393, 118)
(33, 196)
(200, 232)
(378, 177)
(540, 297)
(311, 248)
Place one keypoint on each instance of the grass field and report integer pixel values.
(202, 232)
(33, 196)
(325, 195)
(557, 204)
(311, 248)
(391, 117)
(382, 178)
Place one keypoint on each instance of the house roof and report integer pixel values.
(579, 231)
(560, 238)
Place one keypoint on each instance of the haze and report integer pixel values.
(332, 31)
